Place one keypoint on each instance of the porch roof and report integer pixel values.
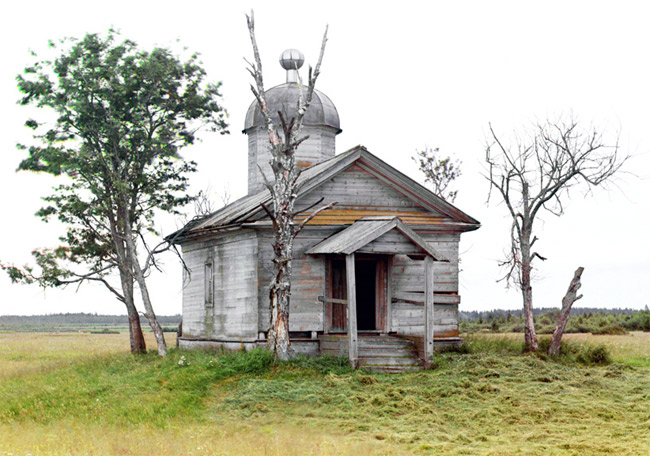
(368, 229)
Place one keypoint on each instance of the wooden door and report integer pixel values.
(338, 290)
(372, 284)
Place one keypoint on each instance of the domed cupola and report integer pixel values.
(321, 124)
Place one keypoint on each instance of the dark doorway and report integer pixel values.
(366, 276)
(371, 279)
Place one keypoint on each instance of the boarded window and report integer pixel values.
(208, 279)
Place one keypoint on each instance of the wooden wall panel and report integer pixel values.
(355, 188)
(408, 319)
(408, 279)
(391, 243)
(318, 147)
(233, 314)
(307, 312)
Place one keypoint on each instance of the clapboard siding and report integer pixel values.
(391, 243)
(308, 281)
(408, 283)
(408, 319)
(319, 146)
(408, 274)
(356, 188)
(233, 313)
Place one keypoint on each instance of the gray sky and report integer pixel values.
(427, 73)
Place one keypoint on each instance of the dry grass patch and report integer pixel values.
(632, 348)
(85, 396)
(183, 439)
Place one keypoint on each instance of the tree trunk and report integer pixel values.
(530, 336)
(569, 298)
(144, 291)
(179, 333)
(138, 344)
(278, 340)
(136, 337)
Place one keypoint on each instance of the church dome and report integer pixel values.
(284, 98)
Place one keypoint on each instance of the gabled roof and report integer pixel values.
(366, 230)
(249, 208)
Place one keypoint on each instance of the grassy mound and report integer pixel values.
(486, 398)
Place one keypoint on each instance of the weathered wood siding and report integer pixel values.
(359, 194)
(408, 283)
(308, 281)
(318, 147)
(233, 313)
(356, 187)
(391, 243)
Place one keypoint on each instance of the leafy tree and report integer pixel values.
(121, 116)
(534, 176)
(440, 172)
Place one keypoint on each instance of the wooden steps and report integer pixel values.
(380, 353)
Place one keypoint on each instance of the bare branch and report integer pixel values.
(310, 207)
(311, 216)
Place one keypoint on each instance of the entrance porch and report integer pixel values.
(359, 292)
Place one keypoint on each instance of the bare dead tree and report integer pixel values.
(284, 191)
(439, 171)
(570, 297)
(536, 175)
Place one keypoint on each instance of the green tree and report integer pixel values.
(439, 171)
(122, 115)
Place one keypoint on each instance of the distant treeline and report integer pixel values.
(581, 320)
(79, 319)
(490, 314)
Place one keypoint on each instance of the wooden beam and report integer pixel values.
(428, 311)
(389, 293)
(334, 300)
(352, 311)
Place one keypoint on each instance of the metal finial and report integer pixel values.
(291, 60)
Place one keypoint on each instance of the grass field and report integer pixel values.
(84, 394)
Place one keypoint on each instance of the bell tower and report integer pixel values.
(320, 123)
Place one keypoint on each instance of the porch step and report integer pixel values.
(393, 369)
(380, 353)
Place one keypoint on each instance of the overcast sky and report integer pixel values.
(402, 78)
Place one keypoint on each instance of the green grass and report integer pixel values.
(489, 400)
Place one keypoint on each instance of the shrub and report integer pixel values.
(105, 331)
(598, 354)
(495, 326)
(639, 322)
(612, 329)
(576, 352)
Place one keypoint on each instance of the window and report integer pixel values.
(208, 280)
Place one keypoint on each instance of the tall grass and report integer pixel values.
(491, 399)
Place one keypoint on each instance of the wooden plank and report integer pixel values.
(334, 300)
(352, 310)
(327, 308)
(354, 186)
(308, 282)
(380, 295)
(418, 298)
(428, 310)
(389, 293)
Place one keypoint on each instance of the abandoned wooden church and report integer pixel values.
(374, 278)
